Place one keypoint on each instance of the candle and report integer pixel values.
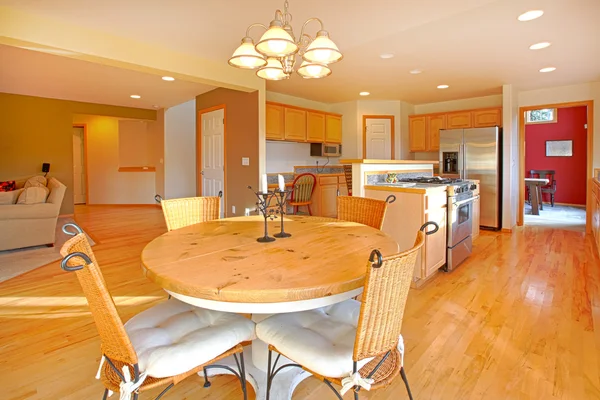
(281, 182)
(264, 187)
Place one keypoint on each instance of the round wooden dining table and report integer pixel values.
(219, 265)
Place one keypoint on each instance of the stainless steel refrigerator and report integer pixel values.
(476, 154)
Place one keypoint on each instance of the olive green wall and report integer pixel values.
(35, 130)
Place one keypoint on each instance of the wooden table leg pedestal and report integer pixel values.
(283, 385)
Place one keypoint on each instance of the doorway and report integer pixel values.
(378, 137)
(79, 165)
(555, 163)
(212, 172)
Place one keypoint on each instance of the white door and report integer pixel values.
(78, 166)
(379, 138)
(213, 157)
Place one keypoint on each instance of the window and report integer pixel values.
(542, 116)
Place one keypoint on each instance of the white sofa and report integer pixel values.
(24, 225)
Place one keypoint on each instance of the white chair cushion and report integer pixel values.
(321, 340)
(174, 337)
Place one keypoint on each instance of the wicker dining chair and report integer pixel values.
(160, 346)
(304, 186)
(353, 344)
(366, 211)
(180, 213)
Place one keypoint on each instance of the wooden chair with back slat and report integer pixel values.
(304, 186)
(550, 188)
(117, 348)
(363, 210)
(378, 331)
(180, 213)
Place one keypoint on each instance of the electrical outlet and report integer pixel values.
(245, 160)
(233, 209)
(247, 212)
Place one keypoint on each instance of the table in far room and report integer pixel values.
(219, 265)
(535, 191)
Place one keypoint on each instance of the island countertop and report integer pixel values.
(421, 188)
(369, 161)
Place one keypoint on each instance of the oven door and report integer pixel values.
(460, 214)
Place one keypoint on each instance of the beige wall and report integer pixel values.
(463, 104)
(298, 101)
(156, 130)
(180, 150)
(242, 139)
(106, 136)
(34, 130)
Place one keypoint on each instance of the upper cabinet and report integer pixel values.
(315, 127)
(434, 124)
(460, 119)
(333, 129)
(489, 117)
(418, 133)
(295, 124)
(424, 130)
(275, 128)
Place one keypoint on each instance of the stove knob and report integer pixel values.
(473, 186)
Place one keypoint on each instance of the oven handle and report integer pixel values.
(460, 203)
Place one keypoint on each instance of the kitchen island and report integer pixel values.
(366, 171)
(414, 206)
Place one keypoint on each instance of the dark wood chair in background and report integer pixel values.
(550, 188)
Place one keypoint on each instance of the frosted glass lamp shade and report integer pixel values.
(273, 71)
(246, 56)
(276, 42)
(322, 50)
(310, 70)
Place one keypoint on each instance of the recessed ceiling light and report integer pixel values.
(386, 55)
(547, 69)
(539, 46)
(364, 93)
(135, 96)
(415, 71)
(529, 15)
(443, 86)
(168, 78)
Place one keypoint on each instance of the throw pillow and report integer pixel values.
(10, 197)
(7, 186)
(33, 195)
(35, 181)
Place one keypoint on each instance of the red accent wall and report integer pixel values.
(570, 171)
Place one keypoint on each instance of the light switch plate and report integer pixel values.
(245, 160)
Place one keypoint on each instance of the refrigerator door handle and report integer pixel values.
(461, 159)
(464, 155)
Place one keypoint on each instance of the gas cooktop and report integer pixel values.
(433, 180)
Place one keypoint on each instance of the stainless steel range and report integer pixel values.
(460, 217)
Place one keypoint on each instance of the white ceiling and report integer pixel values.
(474, 46)
(34, 73)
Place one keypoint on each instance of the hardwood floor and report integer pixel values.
(519, 320)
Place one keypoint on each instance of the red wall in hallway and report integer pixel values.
(570, 171)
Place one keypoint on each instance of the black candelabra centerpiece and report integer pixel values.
(263, 206)
(282, 198)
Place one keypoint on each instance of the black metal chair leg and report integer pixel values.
(355, 395)
(105, 397)
(135, 396)
(269, 375)
(206, 381)
(243, 376)
(403, 374)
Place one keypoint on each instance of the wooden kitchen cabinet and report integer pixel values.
(417, 133)
(324, 200)
(315, 127)
(333, 129)
(487, 118)
(458, 120)
(295, 124)
(275, 124)
(434, 124)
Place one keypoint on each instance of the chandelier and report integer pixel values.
(274, 56)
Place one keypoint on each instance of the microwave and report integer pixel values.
(325, 150)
